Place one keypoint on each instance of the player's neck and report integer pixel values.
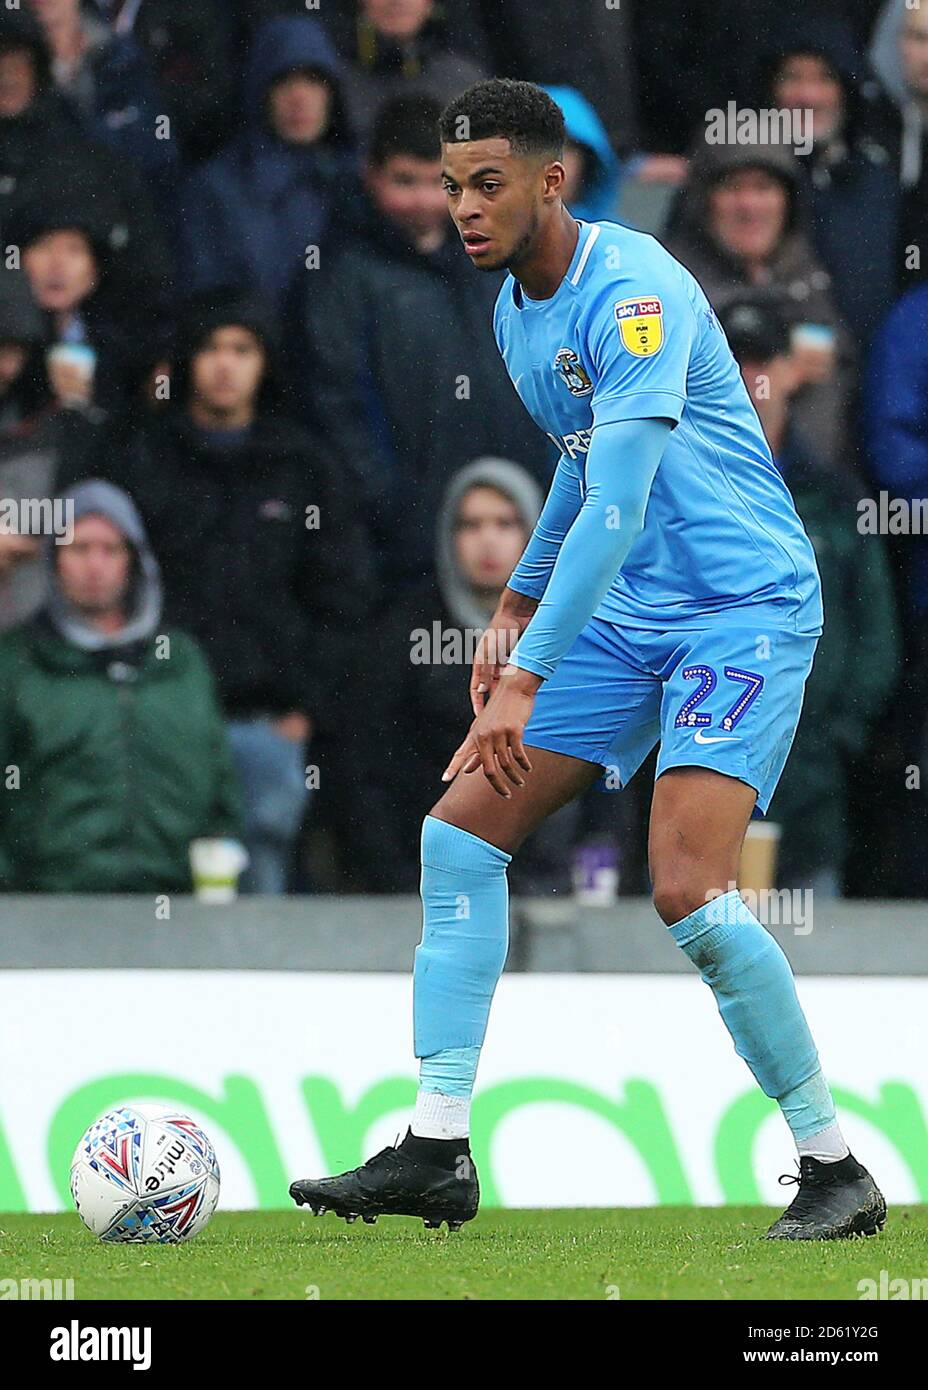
(545, 266)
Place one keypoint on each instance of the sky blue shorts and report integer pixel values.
(726, 698)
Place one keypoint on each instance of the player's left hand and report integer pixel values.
(494, 740)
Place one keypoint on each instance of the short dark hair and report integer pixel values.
(518, 112)
(406, 125)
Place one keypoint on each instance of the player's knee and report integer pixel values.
(675, 897)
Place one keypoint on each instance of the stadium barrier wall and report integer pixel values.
(284, 1028)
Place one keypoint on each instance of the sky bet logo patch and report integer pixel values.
(641, 325)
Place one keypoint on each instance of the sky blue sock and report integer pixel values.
(465, 937)
(756, 993)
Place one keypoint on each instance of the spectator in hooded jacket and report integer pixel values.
(593, 172)
(739, 227)
(108, 81)
(849, 187)
(395, 361)
(263, 555)
(393, 48)
(409, 688)
(861, 632)
(898, 119)
(110, 719)
(252, 215)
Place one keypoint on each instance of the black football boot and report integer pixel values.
(834, 1201)
(432, 1178)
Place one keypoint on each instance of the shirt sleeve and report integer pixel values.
(558, 514)
(640, 347)
(620, 469)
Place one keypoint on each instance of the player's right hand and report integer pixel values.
(493, 652)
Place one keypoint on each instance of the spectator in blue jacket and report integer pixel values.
(593, 170)
(896, 430)
(251, 213)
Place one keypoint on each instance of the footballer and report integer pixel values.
(668, 595)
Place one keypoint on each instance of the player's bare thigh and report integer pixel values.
(471, 803)
(698, 821)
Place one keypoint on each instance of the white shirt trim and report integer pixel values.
(581, 264)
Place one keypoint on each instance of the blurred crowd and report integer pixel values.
(263, 475)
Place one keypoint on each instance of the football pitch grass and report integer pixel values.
(608, 1253)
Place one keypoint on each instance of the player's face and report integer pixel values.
(228, 369)
(807, 83)
(93, 570)
(913, 48)
(747, 213)
(496, 198)
(489, 537)
(62, 270)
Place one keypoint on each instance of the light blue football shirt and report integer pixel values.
(628, 335)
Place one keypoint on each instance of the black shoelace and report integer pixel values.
(804, 1198)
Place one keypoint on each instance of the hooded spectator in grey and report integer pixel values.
(406, 698)
(111, 720)
(143, 600)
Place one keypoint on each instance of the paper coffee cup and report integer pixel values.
(81, 361)
(215, 866)
(819, 337)
(758, 871)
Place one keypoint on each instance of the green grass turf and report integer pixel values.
(643, 1253)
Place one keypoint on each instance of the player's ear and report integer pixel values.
(555, 176)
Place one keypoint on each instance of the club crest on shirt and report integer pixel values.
(573, 373)
(641, 326)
